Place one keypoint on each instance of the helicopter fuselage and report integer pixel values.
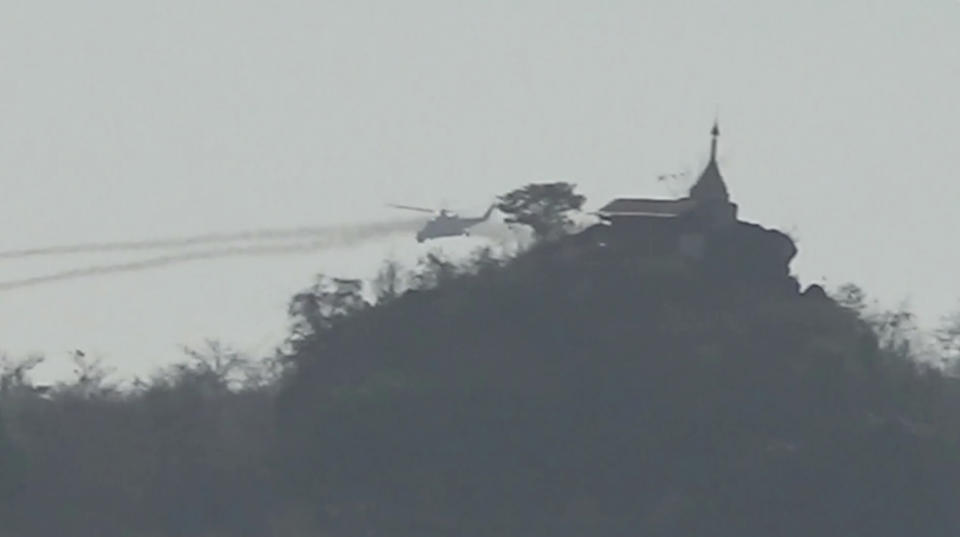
(446, 226)
(446, 223)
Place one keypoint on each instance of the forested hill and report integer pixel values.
(585, 390)
(577, 389)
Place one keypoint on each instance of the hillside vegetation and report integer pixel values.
(576, 389)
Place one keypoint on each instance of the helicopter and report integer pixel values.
(446, 223)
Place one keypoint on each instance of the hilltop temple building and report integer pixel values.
(708, 202)
(657, 225)
(702, 230)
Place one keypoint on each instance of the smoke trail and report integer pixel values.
(209, 238)
(342, 237)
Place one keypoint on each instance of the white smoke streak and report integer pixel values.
(336, 237)
(213, 238)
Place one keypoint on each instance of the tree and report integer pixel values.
(434, 271)
(91, 378)
(947, 336)
(542, 206)
(389, 282)
(15, 375)
(852, 297)
(319, 307)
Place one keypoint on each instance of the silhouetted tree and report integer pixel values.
(90, 378)
(851, 296)
(434, 270)
(948, 341)
(542, 206)
(389, 282)
(319, 307)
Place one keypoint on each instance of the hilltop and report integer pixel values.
(582, 389)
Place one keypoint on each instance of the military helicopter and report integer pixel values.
(446, 223)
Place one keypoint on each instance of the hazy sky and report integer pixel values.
(125, 119)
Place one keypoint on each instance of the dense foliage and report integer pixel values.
(574, 390)
(544, 207)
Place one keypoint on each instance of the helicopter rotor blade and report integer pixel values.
(412, 208)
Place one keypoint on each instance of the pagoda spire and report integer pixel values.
(715, 133)
(710, 185)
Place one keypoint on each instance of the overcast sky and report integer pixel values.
(125, 120)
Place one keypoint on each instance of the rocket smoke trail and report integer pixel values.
(213, 238)
(343, 236)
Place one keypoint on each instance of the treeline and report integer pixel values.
(574, 389)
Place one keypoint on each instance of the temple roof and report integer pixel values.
(647, 207)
